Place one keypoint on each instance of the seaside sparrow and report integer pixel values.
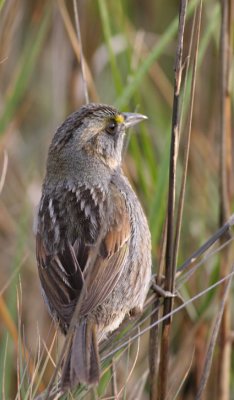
(90, 220)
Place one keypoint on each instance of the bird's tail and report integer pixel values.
(82, 364)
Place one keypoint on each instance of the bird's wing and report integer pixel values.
(61, 287)
(99, 264)
(106, 267)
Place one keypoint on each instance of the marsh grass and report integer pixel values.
(129, 53)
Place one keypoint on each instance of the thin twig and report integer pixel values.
(169, 266)
(210, 352)
(86, 95)
(224, 104)
(197, 20)
(224, 355)
(154, 343)
(193, 268)
(154, 350)
(76, 46)
(132, 369)
(223, 231)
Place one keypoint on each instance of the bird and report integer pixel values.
(92, 237)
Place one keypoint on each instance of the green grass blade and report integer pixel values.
(156, 52)
(1, 4)
(107, 36)
(28, 62)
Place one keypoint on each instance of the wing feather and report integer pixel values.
(63, 273)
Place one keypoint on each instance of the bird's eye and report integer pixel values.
(112, 127)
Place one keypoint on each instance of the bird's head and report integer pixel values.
(96, 131)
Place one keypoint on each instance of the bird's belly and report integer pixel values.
(129, 293)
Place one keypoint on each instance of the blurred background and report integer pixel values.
(129, 48)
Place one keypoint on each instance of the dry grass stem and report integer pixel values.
(169, 267)
(210, 351)
(226, 190)
(82, 60)
(76, 47)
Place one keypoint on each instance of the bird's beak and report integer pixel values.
(131, 119)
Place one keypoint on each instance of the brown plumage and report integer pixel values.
(89, 217)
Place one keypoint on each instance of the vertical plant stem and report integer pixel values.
(108, 39)
(154, 351)
(82, 63)
(225, 107)
(197, 23)
(114, 380)
(154, 343)
(169, 267)
(76, 47)
(210, 351)
(224, 356)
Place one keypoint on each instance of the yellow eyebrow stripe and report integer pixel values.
(119, 119)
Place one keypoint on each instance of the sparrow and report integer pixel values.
(91, 235)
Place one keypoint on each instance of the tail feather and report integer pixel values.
(82, 364)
